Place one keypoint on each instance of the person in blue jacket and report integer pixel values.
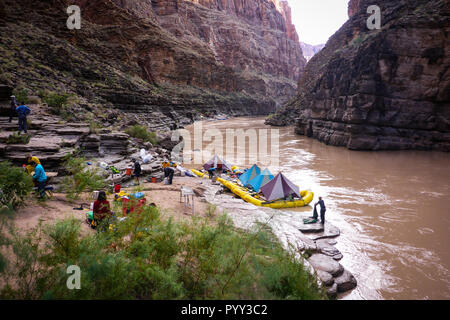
(321, 203)
(41, 178)
(23, 111)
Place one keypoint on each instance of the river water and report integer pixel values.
(392, 209)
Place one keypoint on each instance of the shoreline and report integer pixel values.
(313, 241)
(245, 216)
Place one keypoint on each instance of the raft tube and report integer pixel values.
(200, 174)
(244, 194)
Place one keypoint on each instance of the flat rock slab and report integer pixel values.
(325, 263)
(329, 231)
(312, 228)
(324, 246)
(345, 282)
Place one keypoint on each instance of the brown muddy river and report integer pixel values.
(392, 209)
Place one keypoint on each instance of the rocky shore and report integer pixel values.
(314, 241)
(384, 89)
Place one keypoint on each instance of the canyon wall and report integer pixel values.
(384, 89)
(164, 62)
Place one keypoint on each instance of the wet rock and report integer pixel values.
(345, 282)
(324, 246)
(329, 231)
(325, 263)
(326, 278)
(312, 228)
(332, 291)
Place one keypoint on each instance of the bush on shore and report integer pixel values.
(17, 138)
(15, 185)
(147, 257)
(82, 178)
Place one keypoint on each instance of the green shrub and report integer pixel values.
(21, 95)
(17, 138)
(148, 257)
(55, 101)
(15, 185)
(82, 178)
(141, 132)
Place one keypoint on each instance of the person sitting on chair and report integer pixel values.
(40, 177)
(101, 210)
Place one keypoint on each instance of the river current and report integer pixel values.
(392, 209)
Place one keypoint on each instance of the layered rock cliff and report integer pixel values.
(160, 62)
(379, 89)
(309, 50)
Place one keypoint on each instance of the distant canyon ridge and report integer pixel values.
(162, 63)
(386, 89)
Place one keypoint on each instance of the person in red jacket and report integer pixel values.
(102, 209)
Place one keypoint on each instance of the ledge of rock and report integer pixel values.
(325, 263)
(322, 232)
(345, 282)
(325, 246)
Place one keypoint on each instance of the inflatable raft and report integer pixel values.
(246, 195)
(200, 174)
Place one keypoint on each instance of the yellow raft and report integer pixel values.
(200, 174)
(244, 194)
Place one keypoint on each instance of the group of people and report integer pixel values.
(21, 111)
(101, 210)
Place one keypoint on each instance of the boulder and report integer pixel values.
(345, 282)
(325, 263)
(332, 291)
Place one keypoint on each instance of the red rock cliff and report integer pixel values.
(384, 89)
(179, 58)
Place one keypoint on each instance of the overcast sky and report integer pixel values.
(317, 20)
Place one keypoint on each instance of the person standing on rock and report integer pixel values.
(23, 111)
(322, 209)
(14, 105)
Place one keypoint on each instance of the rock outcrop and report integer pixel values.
(309, 50)
(384, 89)
(162, 63)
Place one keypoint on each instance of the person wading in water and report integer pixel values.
(322, 209)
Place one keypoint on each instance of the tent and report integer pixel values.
(217, 162)
(279, 188)
(261, 180)
(253, 172)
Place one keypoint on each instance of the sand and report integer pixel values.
(166, 197)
